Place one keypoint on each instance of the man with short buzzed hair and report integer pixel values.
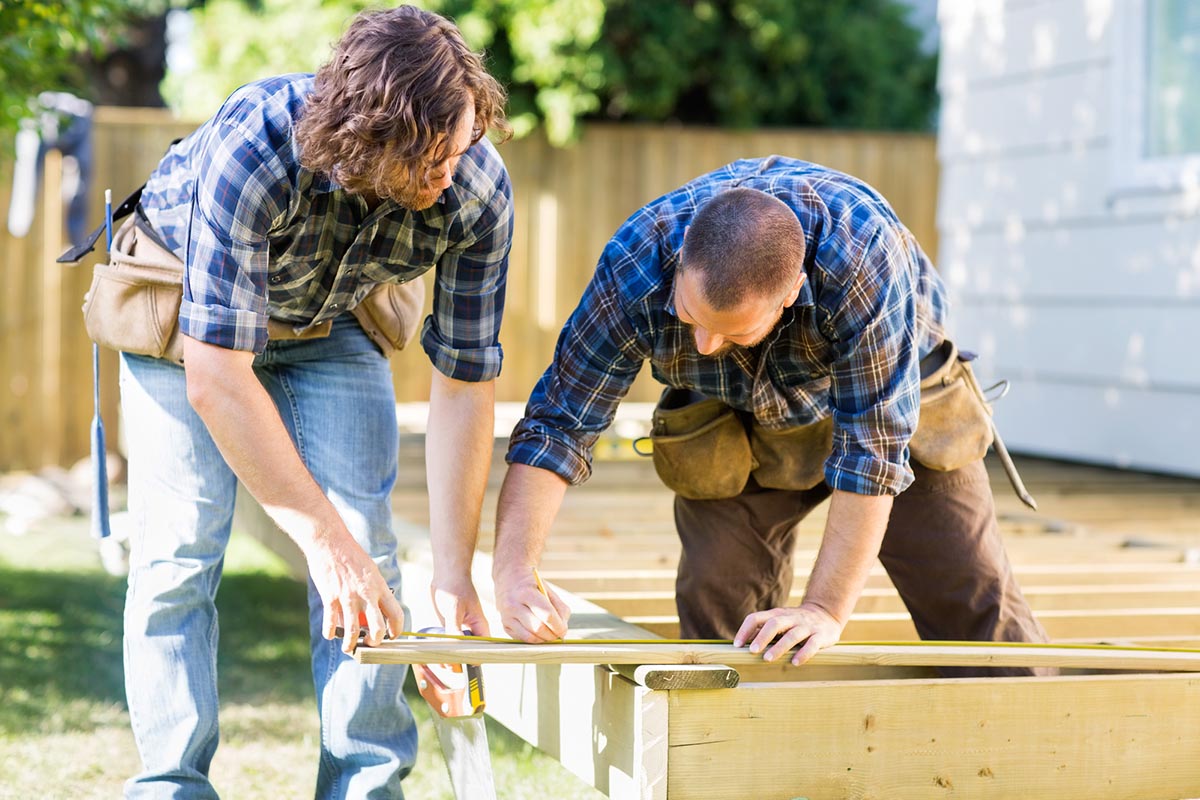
(800, 331)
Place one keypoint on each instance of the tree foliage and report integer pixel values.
(734, 63)
(40, 41)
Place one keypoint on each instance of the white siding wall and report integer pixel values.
(1086, 296)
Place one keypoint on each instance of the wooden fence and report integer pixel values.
(568, 202)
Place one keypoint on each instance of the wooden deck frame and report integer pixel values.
(876, 731)
(828, 732)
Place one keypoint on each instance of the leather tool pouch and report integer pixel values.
(133, 302)
(700, 447)
(702, 450)
(955, 424)
(391, 314)
(793, 458)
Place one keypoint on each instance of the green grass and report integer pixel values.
(64, 728)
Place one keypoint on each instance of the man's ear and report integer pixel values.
(794, 292)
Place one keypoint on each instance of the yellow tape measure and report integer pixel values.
(1125, 648)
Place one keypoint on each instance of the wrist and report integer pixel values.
(829, 610)
(322, 537)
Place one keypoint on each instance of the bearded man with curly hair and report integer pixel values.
(305, 212)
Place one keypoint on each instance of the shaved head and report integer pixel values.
(743, 244)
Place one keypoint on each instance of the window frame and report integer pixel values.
(1133, 172)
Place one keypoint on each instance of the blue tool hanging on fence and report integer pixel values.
(100, 527)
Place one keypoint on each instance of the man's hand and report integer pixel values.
(791, 626)
(245, 424)
(530, 612)
(352, 588)
(457, 606)
(853, 532)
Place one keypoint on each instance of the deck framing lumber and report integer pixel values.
(849, 654)
(1128, 737)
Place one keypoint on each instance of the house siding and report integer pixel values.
(1085, 296)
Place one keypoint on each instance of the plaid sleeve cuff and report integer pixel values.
(475, 364)
(862, 474)
(550, 450)
(231, 328)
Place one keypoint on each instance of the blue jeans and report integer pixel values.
(335, 397)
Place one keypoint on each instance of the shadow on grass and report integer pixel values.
(61, 654)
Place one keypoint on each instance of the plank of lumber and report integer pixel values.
(1095, 624)
(1070, 738)
(875, 600)
(591, 578)
(430, 651)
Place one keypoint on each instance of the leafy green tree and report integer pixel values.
(734, 63)
(743, 63)
(40, 42)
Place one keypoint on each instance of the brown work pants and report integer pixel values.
(942, 551)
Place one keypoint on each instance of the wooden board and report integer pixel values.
(438, 651)
(1093, 624)
(1079, 738)
(886, 600)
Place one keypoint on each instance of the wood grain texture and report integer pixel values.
(1121, 737)
(917, 654)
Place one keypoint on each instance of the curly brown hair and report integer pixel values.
(389, 99)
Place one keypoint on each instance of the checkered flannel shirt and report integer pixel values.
(849, 347)
(264, 237)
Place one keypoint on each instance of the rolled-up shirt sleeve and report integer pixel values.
(462, 335)
(598, 355)
(235, 204)
(875, 378)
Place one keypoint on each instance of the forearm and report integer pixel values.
(458, 455)
(853, 535)
(529, 502)
(247, 429)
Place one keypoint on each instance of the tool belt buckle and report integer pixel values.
(452, 690)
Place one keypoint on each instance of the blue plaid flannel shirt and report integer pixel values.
(849, 347)
(262, 237)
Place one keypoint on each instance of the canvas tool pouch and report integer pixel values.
(955, 424)
(133, 302)
(700, 447)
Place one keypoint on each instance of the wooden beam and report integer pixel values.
(1093, 624)
(1076, 738)
(591, 578)
(876, 600)
(931, 654)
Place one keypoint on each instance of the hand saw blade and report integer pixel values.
(468, 760)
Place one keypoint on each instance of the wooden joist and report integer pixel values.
(870, 726)
(876, 600)
(590, 578)
(1092, 624)
(1076, 738)
(437, 651)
